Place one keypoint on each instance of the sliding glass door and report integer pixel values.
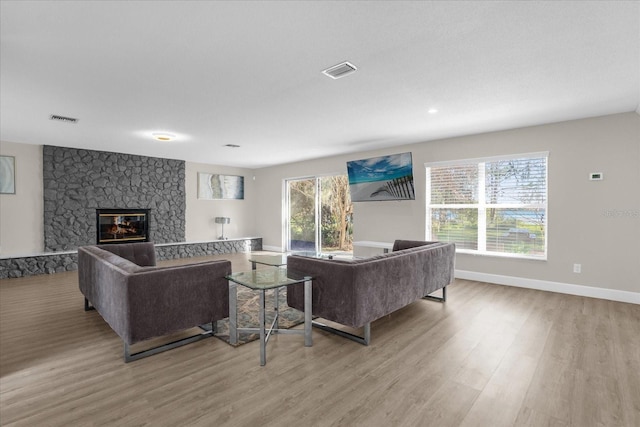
(302, 215)
(319, 215)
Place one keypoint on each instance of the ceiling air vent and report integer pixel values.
(340, 70)
(63, 119)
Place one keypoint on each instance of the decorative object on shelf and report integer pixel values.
(222, 220)
(7, 175)
(215, 187)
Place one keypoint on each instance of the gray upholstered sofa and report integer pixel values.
(357, 292)
(140, 300)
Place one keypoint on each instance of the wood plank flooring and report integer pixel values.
(490, 356)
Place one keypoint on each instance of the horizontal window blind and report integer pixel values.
(492, 206)
(518, 181)
(454, 184)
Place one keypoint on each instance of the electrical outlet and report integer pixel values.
(577, 268)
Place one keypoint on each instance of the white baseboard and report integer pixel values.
(543, 285)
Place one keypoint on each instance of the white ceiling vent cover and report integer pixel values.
(63, 118)
(340, 70)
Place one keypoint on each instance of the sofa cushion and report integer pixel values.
(141, 253)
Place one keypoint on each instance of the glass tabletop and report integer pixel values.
(325, 255)
(274, 260)
(280, 260)
(268, 278)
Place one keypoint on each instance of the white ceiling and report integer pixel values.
(249, 73)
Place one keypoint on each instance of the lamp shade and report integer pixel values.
(223, 220)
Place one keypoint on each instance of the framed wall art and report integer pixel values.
(7, 175)
(381, 178)
(220, 187)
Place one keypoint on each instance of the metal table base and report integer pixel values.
(274, 328)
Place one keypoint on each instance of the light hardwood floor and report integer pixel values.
(490, 356)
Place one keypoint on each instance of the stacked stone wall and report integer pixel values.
(77, 182)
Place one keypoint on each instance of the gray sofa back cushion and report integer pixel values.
(142, 253)
(359, 291)
(399, 245)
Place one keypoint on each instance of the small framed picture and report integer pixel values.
(7, 175)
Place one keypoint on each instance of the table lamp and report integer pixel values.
(222, 220)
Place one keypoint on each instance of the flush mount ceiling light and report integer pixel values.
(160, 135)
(232, 145)
(163, 136)
(432, 110)
(340, 70)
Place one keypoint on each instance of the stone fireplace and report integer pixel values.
(77, 182)
(122, 225)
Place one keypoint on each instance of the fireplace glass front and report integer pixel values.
(122, 225)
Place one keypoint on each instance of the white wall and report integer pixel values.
(596, 224)
(200, 214)
(21, 214)
(581, 227)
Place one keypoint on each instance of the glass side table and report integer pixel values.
(261, 281)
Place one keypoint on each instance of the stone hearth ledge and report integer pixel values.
(12, 266)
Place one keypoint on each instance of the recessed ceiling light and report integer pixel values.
(432, 111)
(232, 146)
(163, 136)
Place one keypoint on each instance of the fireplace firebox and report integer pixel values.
(122, 225)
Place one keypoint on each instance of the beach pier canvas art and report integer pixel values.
(381, 178)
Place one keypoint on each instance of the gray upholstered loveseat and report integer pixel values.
(357, 292)
(140, 300)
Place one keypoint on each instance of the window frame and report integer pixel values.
(482, 205)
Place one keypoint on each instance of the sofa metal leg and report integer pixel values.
(440, 299)
(130, 357)
(367, 333)
(88, 306)
(365, 340)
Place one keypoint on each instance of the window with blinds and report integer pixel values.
(493, 206)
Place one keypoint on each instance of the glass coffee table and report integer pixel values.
(279, 260)
(262, 280)
(272, 260)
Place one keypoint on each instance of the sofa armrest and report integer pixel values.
(102, 279)
(168, 299)
(440, 267)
